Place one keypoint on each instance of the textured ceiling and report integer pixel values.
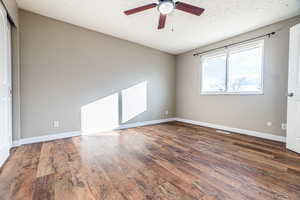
(183, 32)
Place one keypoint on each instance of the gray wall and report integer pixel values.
(64, 67)
(251, 112)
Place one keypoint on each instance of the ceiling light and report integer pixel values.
(166, 7)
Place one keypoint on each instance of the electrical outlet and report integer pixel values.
(269, 124)
(167, 113)
(55, 124)
(283, 126)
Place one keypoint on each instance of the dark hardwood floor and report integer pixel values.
(172, 161)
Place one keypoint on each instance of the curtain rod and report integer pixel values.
(266, 35)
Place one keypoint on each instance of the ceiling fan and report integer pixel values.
(165, 7)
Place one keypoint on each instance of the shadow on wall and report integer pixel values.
(104, 114)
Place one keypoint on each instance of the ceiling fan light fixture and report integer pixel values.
(166, 7)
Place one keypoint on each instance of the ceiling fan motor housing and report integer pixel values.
(166, 6)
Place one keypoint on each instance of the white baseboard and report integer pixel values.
(78, 133)
(3, 157)
(268, 136)
(46, 138)
(146, 123)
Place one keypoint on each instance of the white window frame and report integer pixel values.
(227, 51)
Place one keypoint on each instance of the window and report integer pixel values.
(235, 70)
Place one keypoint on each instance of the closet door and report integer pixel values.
(293, 111)
(5, 87)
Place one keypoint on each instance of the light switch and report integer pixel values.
(56, 124)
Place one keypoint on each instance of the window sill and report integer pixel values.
(231, 93)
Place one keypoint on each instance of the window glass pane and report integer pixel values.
(214, 74)
(245, 71)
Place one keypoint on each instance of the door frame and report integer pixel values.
(7, 89)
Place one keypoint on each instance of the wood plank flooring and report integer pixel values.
(171, 161)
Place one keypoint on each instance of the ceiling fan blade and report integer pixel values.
(140, 9)
(162, 21)
(189, 8)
